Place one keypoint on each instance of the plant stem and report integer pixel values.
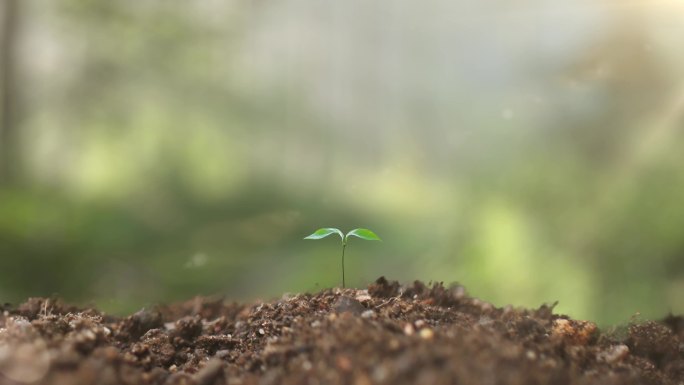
(344, 245)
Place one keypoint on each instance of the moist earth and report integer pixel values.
(386, 334)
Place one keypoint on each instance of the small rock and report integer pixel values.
(363, 296)
(187, 328)
(139, 323)
(368, 314)
(347, 304)
(426, 334)
(613, 354)
(572, 331)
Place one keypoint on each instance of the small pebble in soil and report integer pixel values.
(574, 332)
(346, 304)
(613, 354)
(426, 334)
(368, 314)
(363, 296)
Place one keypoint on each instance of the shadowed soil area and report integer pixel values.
(386, 334)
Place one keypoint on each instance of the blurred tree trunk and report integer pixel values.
(9, 152)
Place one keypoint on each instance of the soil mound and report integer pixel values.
(387, 334)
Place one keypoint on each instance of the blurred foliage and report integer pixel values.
(531, 152)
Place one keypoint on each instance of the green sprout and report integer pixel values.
(359, 233)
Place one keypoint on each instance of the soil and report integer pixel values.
(387, 334)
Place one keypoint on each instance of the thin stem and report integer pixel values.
(344, 246)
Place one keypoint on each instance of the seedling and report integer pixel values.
(360, 233)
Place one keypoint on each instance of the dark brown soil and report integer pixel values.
(387, 334)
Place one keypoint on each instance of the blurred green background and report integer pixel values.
(531, 150)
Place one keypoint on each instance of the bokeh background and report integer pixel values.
(530, 150)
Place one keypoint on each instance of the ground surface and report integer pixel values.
(387, 334)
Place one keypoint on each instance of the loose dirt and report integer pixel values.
(387, 334)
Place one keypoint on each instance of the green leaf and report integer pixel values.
(324, 232)
(364, 234)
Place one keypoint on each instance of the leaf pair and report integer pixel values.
(360, 233)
